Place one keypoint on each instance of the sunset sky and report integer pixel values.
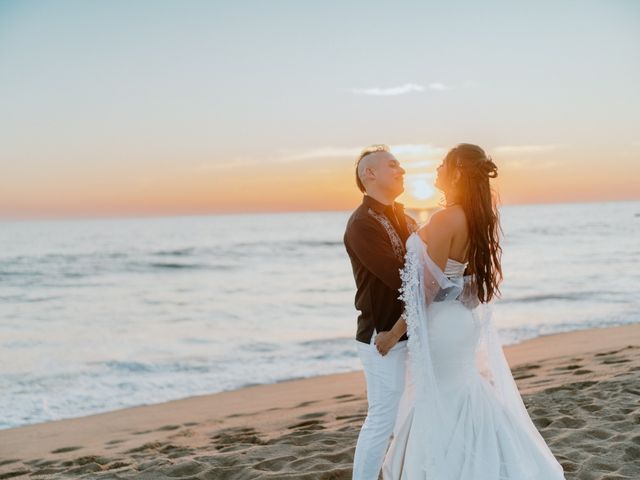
(185, 107)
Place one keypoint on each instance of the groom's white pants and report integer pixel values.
(385, 377)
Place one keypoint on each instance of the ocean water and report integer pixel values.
(97, 315)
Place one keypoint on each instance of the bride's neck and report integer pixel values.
(451, 200)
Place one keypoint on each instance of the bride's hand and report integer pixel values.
(384, 342)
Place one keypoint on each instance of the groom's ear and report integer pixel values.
(370, 172)
(367, 168)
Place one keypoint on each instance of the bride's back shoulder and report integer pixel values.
(454, 216)
(451, 219)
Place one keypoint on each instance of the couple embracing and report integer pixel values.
(442, 403)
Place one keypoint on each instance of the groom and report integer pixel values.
(375, 241)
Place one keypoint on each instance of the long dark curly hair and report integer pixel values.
(479, 202)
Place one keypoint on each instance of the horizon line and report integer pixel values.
(120, 216)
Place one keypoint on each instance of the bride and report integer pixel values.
(462, 416)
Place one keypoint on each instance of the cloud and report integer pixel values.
(420, 149)
(392, 91)
(527, 151)
(406, 150)
(438, 86)
(522, 149)
(284, 156)
(323, 152)
(237, 163)
(419, 152)
(532, 165)
(211, 167)
(401, 89)
(419, 164)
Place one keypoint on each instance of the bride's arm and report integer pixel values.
(386, 340)
(399, 328)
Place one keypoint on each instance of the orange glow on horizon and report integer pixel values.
(320, 185)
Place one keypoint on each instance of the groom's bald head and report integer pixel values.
(369, 158)
(379, 174)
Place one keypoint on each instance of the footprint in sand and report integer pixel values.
(569, 467)
(524, 371)
(306, 404)
(352, 418)
(38, 462)
(184, 469)
(604, 354)
(342, 456)
(352, 399)
(613, 361)
(307, 426)
(582, 385)
(236, 415)
(168, 428)
(14, 473)
(65, 449)
(539, 412)
(598, 434)
(541, 381)
(569, 422)
(232, 437)
(156, 464)
(312, 415)
(591, 408)
(145, 447)
(329, 442)
(574, 366)
(116, 464)
(631, 390)
(632, 453)
(91, 459)
(275, 464)
(531, 366)
(542, 422)
(237, 431)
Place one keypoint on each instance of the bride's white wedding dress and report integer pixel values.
(462, 416)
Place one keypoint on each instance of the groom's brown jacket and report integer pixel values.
(375, 241)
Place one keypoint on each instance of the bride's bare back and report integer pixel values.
(446, 235)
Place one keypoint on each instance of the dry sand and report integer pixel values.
(582, 390)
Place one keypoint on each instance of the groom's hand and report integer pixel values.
(384, 342)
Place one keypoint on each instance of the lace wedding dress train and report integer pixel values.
(462, 417)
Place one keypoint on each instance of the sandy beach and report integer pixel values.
(582, 390)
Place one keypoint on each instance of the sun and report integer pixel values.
(420, 186)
